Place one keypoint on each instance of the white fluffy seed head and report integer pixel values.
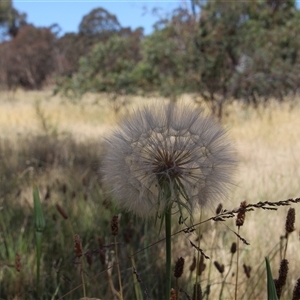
(174, 144)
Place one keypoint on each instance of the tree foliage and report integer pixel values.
(166, 60)
(11, 20)
(28, 59)
(221, 50)
(99, 23)
(109, 67)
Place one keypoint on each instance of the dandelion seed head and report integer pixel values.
(171, 144)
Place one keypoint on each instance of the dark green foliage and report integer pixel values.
(166, 54)
(109, 66)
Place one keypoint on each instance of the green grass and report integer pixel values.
(57, 145)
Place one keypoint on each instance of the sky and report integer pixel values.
(68, 13)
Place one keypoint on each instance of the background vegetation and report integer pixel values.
(60, 151)
(238, 60)
(245, 50)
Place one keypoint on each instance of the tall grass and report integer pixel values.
(58, 145)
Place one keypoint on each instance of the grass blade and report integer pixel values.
(272, 295)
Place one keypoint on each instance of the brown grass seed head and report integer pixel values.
(114, 225)
(178, 271)
(173, 294)
(101, 251)
(18, 262)
(219, 267)
(247, 270)
(290, 220)
(201, 265)
(197, 291)
(233, 248)
(296, 291)
(281, 281)
(61, 211)
(77, 246)
(219, 208)
(240, 219)
(193, 264)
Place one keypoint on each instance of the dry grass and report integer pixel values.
(268, 146)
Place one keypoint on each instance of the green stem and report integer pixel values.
(38, 240)
(168, 251)
(118, 268)
(137, 287)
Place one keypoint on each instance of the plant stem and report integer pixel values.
(198, 258)
(118, 268)
(285, 248)
(214, 234)
(168, 251)
(224, 279)
(137, 287)
(237, 264)
(82, 278)
(38, 237)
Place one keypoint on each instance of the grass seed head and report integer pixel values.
(240, 219)
(62, 212)
(89, 257)
(201, 265)
(247, 270)
(172, 144)
(193, 264)
(173, 294)
(296, 291)
(178, 271)
(219, 267)
(219, 208)
(114, 225)
(77, 246)
(18, 262)
(290, 221)
(197, 293)
(281, 281)
(233, 248)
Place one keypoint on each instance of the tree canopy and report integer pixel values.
(99, 23)
(245, 50)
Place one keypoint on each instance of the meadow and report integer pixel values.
(57, 145)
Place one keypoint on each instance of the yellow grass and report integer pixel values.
(267, 140)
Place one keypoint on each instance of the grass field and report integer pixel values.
(57, 144)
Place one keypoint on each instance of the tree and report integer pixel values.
(109, 67)
(217, 52)
(246, 50)
(29, 57)
(100, 24)
(11, 20)
(272, 50)
(221, 50)
(166, 63)
(70, 47)
(5, 10)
